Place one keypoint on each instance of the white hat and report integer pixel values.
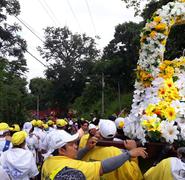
(119, 122)
(27, 126)
(61, 138)
(92, 126)
(107, 128)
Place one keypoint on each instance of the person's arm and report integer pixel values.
(113, 163)
(82, 152)
(91, 143)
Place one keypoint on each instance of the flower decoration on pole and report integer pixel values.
(158, 109)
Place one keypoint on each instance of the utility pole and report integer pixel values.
(119, 98)
(38, 104)
(103, 85)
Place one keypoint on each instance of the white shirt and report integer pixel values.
(19, 164)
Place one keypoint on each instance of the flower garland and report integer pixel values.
(159, 98)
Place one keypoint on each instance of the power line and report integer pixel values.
(53, 14)
(91, 17)
(36, 58)
(47, 12)
(36, 36)
(74, 15)
(21, 21)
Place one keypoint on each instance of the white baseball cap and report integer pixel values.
(107, 128)
(60, 138)
(92, 126)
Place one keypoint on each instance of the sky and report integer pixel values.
(93, 17)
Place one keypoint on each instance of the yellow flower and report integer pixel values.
(151, 125)
(143, 38)
(161, 27)
(181, 0)
(156, 127)
(121, 124)
(153, 34)
(157, 19)
(166, 33)
(162, 67)
(172, 94)
(170, 113)
(163, 42)
(169, 83)
(167, 73)
(167, 62)
(148, 123)
(149, 110)
(172, 22)
(162, 92)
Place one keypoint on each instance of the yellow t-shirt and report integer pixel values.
(83, 141)
(91, 170)
(128, 171)
(160, 172)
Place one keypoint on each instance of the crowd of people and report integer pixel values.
(67, 150)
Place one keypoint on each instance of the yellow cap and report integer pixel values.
(19, 137)
(45, 126)
(39, 123)
(16, 128)
(34, 122)
(50, 122)
(61, 123)
(4, 126)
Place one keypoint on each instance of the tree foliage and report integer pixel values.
(11, 44)
(41, 88)
(71, 58)
(139, 5)
(121, 54)
(13, 92)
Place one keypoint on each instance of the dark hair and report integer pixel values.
(20, 145)
(181, 151)
(56, 153)
(84, 122)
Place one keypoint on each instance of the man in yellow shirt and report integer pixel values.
(65, 154)
(171, 168)
(129, 170)
(85, 137)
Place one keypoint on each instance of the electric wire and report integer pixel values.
(36, 58)
(91, 17)
(51, 11)
(21, 21)
(47, 12)
(74, 15)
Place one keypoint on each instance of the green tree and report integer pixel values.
(11, 44)
(71, 58)
(139, 5)
(41, 88)
(13, 93)
(121, 54)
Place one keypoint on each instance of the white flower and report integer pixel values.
(183, 132)
(169, 131)
(158, 82)
(181, 122)
(176, 105)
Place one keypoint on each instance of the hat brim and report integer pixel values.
(72, 138)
